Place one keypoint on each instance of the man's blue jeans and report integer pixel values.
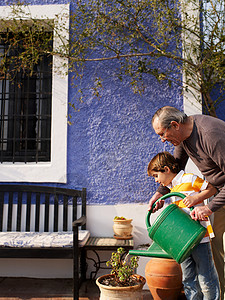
(200, 278)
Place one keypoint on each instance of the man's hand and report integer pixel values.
(201, 213)
(158, 205)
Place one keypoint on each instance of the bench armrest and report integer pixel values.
(79, 222)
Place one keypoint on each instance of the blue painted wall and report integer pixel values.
(220, 109)
(111, 141)
(33, 2)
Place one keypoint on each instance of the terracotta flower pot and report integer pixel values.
(123, 293)
(164, 278)
(122, 228)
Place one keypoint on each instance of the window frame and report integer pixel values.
(56, 169)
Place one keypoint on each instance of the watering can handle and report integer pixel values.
(162, 198)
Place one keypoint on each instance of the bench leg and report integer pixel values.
(83, 264)
(76, 279)
(76, 254)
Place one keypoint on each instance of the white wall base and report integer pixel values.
(36, 268)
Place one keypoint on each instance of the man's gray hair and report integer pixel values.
(167, 114)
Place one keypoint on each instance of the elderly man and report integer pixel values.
(201, 138)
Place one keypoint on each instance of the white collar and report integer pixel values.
(176, 180)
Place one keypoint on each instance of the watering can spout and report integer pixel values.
(153, 251)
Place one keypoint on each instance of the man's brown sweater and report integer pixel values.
(206, 148)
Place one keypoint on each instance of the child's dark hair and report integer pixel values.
(160, 161)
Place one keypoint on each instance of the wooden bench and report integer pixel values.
(96, 244)
(43, 215)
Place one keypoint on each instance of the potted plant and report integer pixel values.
(122, 228)
(122, 283)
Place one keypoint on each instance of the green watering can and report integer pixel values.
(174, 233)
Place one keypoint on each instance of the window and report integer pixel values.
(25, 107)
(33, 109)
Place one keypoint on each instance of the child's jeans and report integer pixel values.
(200, 278)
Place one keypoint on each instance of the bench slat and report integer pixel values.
(56, 212)
(65, 213)
(46, 225)
(37, 215)
(83, 207)
(74, 215)
(19, 212)
(28, 212)
(1, 209)
(10, 206)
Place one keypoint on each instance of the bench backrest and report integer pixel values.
(40, 208)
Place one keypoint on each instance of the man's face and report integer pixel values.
(170, 134)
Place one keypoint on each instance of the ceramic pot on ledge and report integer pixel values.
(122, 229)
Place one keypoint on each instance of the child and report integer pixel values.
(200, 277)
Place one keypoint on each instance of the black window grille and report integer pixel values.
(25, 110)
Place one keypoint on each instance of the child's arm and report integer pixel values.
(200, 197)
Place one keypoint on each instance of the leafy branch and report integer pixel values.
(145, 37)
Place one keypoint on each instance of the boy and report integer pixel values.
(200, 278)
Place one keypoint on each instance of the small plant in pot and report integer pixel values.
(122, 228)
(122, 283)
